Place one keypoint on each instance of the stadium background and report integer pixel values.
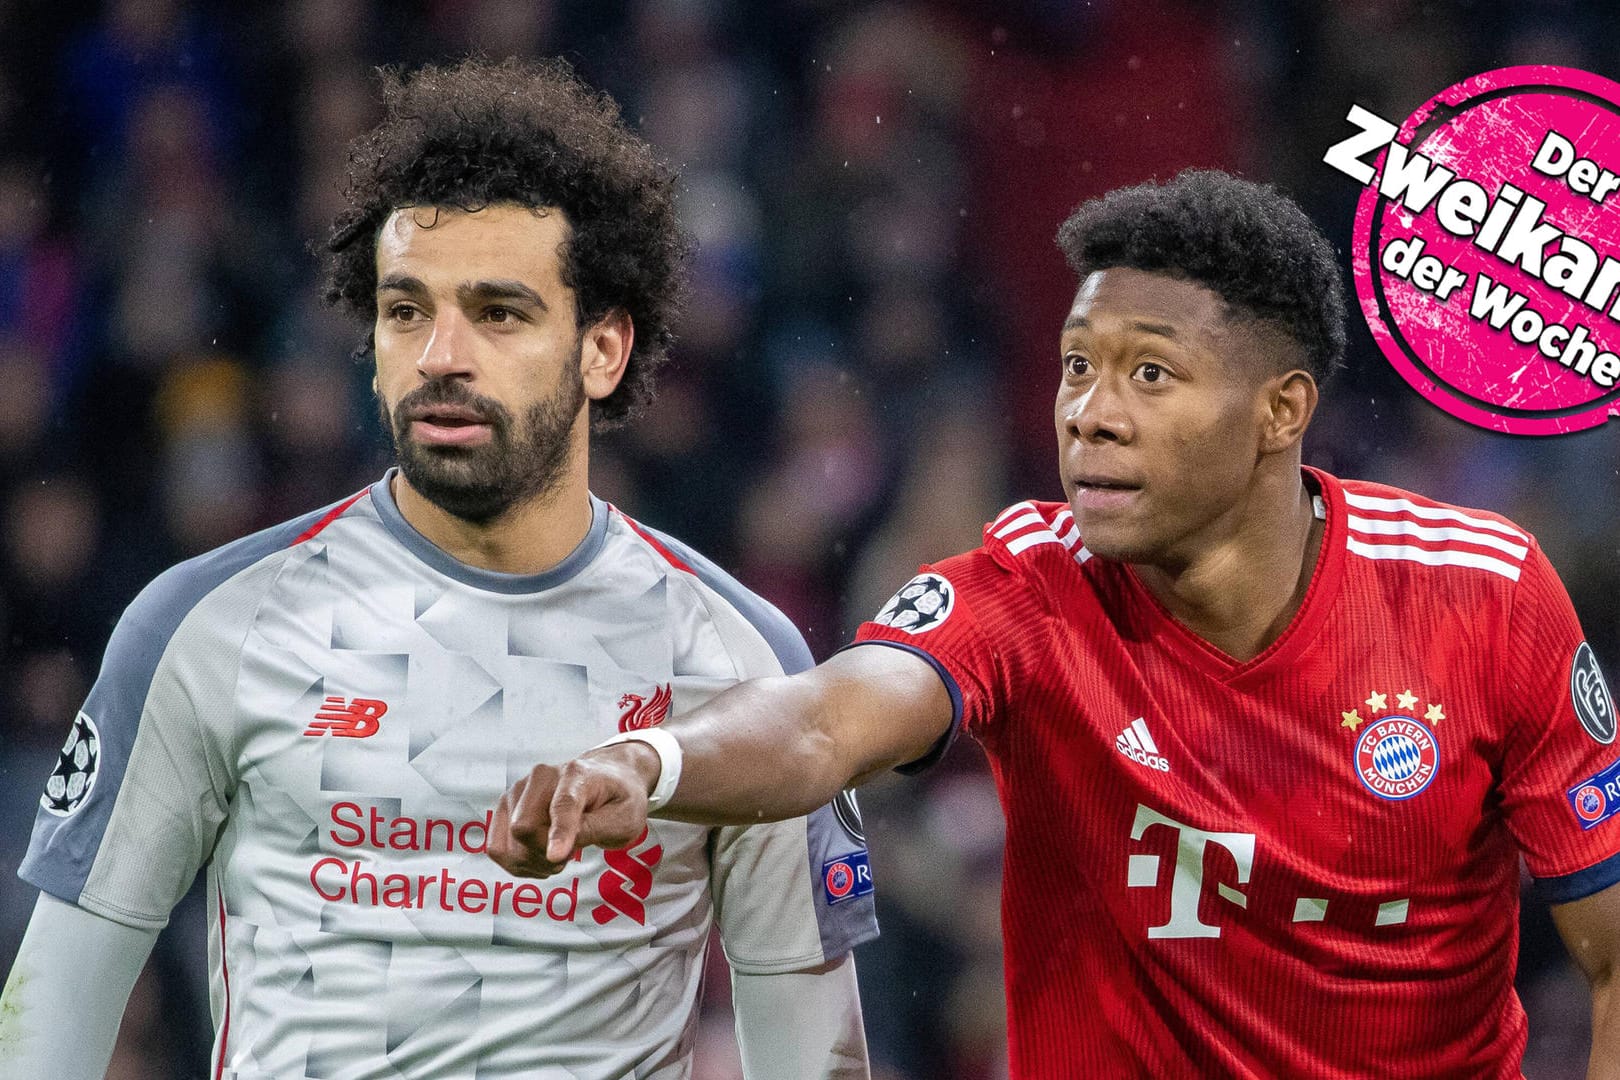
(864, 377)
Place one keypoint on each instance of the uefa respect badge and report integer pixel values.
(1487, 246)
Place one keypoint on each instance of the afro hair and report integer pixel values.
(1248, 243)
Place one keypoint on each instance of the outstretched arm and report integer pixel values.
(764, 750)
(1590, 928)
(65, 996)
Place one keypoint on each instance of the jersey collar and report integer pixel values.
(382, 497)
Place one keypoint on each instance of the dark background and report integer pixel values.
(865, 376)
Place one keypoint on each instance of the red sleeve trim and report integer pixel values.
(652, 541)
(225, 966)
(329, 517)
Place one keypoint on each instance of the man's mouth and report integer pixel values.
(449, 425)
(448, 414)
(1103, 492)
(1105, 482)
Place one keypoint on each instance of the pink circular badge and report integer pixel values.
(1487, 247)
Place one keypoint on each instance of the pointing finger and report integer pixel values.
(567, 812)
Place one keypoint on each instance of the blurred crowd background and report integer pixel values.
(864, 378)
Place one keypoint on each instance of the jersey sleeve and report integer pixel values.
(788, 895)
(134, 803)
(977, 618)
(1561, 768)
(794, 894)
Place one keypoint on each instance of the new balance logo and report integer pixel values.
(345, 719)
(1135, 743)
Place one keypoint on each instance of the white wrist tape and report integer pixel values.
(669, 753)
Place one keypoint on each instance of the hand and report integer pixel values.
(598, 799)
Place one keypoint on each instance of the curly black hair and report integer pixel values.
(482, 132)
(1246, 242)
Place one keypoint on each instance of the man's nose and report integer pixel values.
(448, 350)
(1100, 415)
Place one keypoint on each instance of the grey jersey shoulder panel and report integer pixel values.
(831, 840)
(780, 634)
(63, 850)
(382, 498)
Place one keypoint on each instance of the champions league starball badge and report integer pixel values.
(921, 604)
(74, 776)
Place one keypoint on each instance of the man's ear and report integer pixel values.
(604, 353)
(1289, 403)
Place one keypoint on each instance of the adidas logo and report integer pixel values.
(1135, 743)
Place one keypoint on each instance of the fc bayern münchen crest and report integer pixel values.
(75, 773)
(1397, 757)
(921, 604)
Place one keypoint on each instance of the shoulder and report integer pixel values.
(157, 612)
(1028, 541)
(1409, 534)
(1029, 549)
(720, 592)
(1029, 525)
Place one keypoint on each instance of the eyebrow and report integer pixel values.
(400, 283)
(499, 289)
(1164, 330)
(469, 291)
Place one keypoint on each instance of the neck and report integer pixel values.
(529, 538)
(1240, 589)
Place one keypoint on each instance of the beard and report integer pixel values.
(522, 460)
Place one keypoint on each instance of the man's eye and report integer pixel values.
(402, 312)
(500, 315)
(1151, 373)
(1075, 365)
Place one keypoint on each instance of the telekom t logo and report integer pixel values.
(1187, 885)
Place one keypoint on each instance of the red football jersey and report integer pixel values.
(1301, 865)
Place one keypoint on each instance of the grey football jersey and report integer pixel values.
(324, 714)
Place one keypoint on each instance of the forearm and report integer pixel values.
(801, 1025)
(762, 751)
(777, 748)
(65, 996)
(1590, 927)
(1605, 1060)
(765, 750)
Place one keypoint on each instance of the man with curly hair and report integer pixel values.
(1270, 744)
(324, 713)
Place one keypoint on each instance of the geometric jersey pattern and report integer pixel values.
(1335, 843)
(359, 930)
